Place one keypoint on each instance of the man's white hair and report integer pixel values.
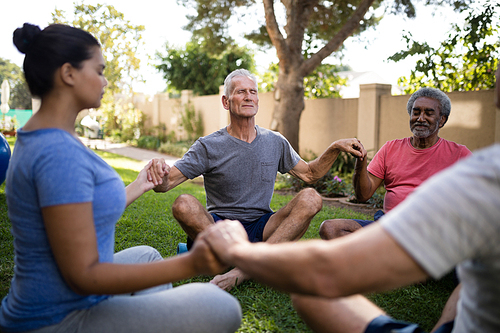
(228, 82)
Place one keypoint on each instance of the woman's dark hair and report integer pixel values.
(48, 49)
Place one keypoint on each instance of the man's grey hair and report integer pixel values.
(444, 101)
(228, 82)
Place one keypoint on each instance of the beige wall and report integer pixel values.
(375, 117)
(324, 121)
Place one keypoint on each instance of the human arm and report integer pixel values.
(310, 172)
(71, 234)
(368, 260)
(164, 177)
(365, 184)
(146, 180)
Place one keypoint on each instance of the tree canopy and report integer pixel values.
(466, 60)
(193, 68)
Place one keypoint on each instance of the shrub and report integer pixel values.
(177, 149)
(192, 122)
(336, 182)
(149, 142)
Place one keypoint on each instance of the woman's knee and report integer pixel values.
(218, 309)
(137, 254)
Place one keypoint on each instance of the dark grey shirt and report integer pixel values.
(239, 176)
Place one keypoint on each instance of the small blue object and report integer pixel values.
(181, 248)
(4, 157)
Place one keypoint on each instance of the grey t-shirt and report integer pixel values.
(239, 176)
(454, 219)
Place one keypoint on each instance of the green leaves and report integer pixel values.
(210, 26)
(192, 67)
(324, 82)
(466, 60)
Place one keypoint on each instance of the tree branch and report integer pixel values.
(273, 30)
(347, 30)
(298, 15)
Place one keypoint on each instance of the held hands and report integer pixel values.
(223, 238)
(157, 169)
(211, 252)
(143, 178)
(204, 260)
(150, 176)
(352, 146)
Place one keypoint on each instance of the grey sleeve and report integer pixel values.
(194, 161)
(290, 157)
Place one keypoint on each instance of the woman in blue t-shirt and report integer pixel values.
(64, 202)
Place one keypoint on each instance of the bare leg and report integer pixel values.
(336, 228)
(191, 215)
(346, 314)
(291, 222)
(287, 224)
(450, 308)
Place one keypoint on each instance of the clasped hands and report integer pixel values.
(157, 169)
(212, 251)
(219, 242)
(352, 146)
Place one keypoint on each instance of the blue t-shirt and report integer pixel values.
(239, 176)
(50, 167)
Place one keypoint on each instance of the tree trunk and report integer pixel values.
(289, 94)
(288, 106)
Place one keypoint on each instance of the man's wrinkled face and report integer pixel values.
(243, 100)
(426, 119)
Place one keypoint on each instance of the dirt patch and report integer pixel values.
(338, 202)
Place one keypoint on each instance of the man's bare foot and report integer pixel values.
(232, 278)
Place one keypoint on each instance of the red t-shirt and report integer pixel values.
(403, 167)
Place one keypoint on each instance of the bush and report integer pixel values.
(330, 185)
(336, 182)
(192, 122)
(177, 149)
(149, 142)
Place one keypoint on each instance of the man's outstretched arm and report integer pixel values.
(310, 172)
(366, 261)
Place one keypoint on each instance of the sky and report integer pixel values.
(164, 19)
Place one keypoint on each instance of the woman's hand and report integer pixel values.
(157, 170)
(148, 178)
(204, 259)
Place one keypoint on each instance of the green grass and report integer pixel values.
(149, 221)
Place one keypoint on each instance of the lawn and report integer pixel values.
(150, 221)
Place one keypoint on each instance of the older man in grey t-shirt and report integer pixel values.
(239, 176)
(239, 164)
